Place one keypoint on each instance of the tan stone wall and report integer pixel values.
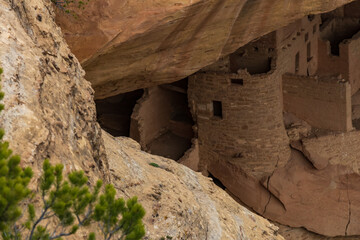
(323, 103)
(342, 149)
(191, 156)
(257, 57)
(251, 132)
(295, 38)
(354, 63)
(149, 120)
(330, 64)
(345, 31)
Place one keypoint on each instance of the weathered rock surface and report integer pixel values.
(180, 203)
(323, 200)
(127, 45)
(50, 112)
(300, 233)
(328, 197)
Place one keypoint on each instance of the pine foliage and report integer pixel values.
(65, 5)
(107, 213)
(13, 185)
(66, 204)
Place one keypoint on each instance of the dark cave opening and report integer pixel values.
(114, 113)
(175, 134)
(338, 30)
(158, 118)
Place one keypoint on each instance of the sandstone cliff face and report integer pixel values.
(127, 45)
(50, 113)
(180, 203)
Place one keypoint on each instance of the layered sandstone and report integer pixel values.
(127, 45)
(180, 203)
(237, 105)
(50, 113)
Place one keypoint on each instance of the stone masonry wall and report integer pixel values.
(330, 64)
(347, 62)
(299, 38)
(342, 149)
(322, 103)
(251, 131)
(148, 120)
(354, 63)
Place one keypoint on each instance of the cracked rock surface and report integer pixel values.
(50, 113)
(49, 108)
(180, 203)
(125, 45)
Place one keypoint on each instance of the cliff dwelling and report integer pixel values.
(158, 118)
(289, 97)
(214, 120)
(114, 113)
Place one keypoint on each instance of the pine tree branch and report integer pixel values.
(56, 228)
(49, 216)
(46, 208)
(61, 235)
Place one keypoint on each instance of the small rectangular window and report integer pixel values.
(306, 37)
(315, 28)
(308, 52)
(237, 81)
(217, 109)
(297, 62)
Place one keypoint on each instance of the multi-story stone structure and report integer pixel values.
(237, 103)
(275, 123)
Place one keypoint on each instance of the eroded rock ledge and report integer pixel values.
(127, 45)
(50, 113)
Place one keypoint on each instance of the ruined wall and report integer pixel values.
(330, 64)
(161, 122)
(191, 157)
(251, 131)
(339, 50)
(297, 46)
(354, 63)
(149, 120)
(342, 149)
(257, 57)
(324, 103)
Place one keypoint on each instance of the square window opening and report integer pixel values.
(217, 109)
(309, 52)
(297, 62)
(311, 17)
(306, 37)
(237, 81)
